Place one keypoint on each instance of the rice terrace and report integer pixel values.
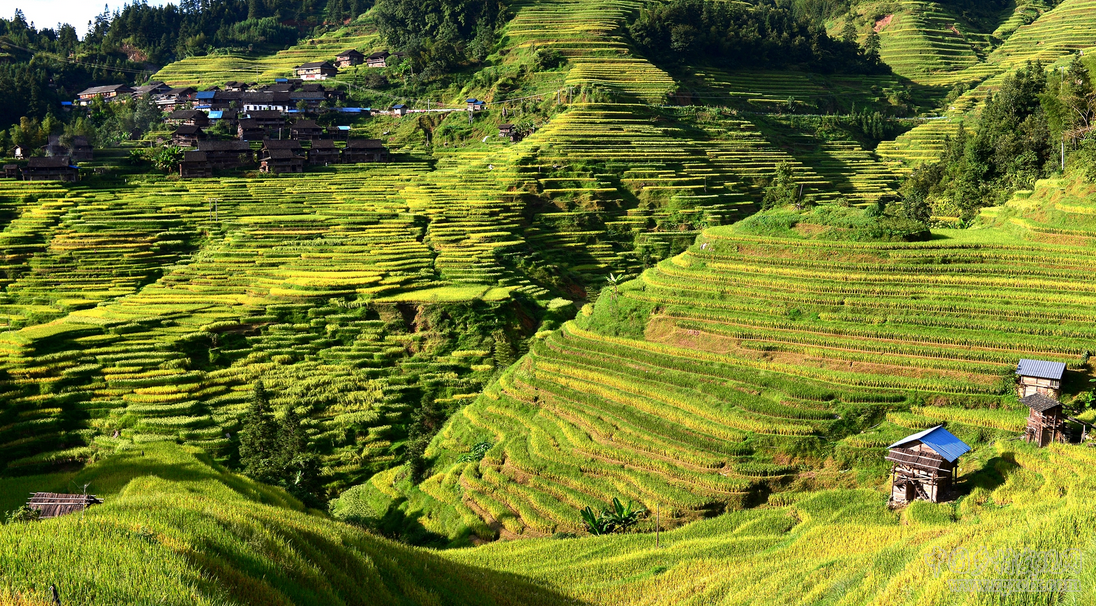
(524, 302)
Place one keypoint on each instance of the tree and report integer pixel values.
(616, 517)
(259, 438)
(848, 31)
(782, 190)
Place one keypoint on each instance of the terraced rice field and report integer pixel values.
(925, 43)
(210, 70)
(687, 389)
(921, 144)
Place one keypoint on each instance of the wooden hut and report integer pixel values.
(365, 150)
(349, 58)
(195, 165)
(1040, 376)
(226, 154)
(187, 136)
(82, 150)
(11, 171)
(399, 109)
(316, 70)
(324, 152)
(50, 169)
(1046, 422)
(189, 117)
(52, 504)
(276, 161)
(249, 130)
(923, 465)
(378, 59)
(306, 130)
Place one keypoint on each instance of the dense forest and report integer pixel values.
(768, 34)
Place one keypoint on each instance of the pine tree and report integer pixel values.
(259, 438)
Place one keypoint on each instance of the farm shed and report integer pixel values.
(1040, 376)
(1046, 421)
(349, 58)
(324, 152)
(278, 161)
(11, 171)
(53, 504)
(50, 169)
(316, 70)
(399, 109)
(474, 105)
(195, 165)
(378, 59)
(365, 150)
(81, 149)
(923, 465)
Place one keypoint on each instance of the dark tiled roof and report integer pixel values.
(380, 55)
(313, 64)
(195, 156)
(365, 144)
(303, 124)
(1039, 402)
(281, 144)
(1041, 369)
(348, 53)
(187, 114)
(281, 154)
(188, 130)
(323, 144)
(235, 145)
(47, 163)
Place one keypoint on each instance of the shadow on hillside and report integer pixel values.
(993, 474)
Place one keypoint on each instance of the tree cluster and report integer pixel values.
(1018, 140)
(737, 34)
(277, 452)
(440, 35)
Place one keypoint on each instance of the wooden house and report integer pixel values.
(265, 101)
(349, 58)
(338, 133)
(150, 89)
(1039, 376)
(54, 149)
(50, 169)
(324, 152)
(276, 161)
(378, 59)
(11, 171)
(923, 465)
(316, 70)
(306, 130)
(226, 154)
(174, 98)
(81, 149)
(195, 165)
(399, 109)
(1046, 422)
(474, 105)
(360, 151)
(187, 136)
(107, 93)
(267, 118)
(189, 117)
(52, 504)
(249, 130)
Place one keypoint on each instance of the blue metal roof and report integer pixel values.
(205, 94)
(350, 110)
(399, 106)
(63, 103)
(1041, 369)
(281, 80)
(939, 439)
(216, 115)
(344, 128)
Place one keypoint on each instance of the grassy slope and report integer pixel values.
(177, 529)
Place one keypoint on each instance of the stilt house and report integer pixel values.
(1040, 376)
(923, 465)
(1046, 422)
(195, 165)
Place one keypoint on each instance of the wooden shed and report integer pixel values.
(50, 169)
(276, 161)
(306, 130)
(1040, 376)
(1046, 422)
(324, 152)
(11, 171)
(53, 504)
(195, 165)
(187, 136)
(923, 465)
(365, 150)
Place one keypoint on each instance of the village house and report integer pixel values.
(228, 116)
(276, 161)
(323, 152)
(316, 70)
(195, 165)
(338, 133)
(1046, 423)
(54, 149)
(52, 504)
(924, 465)
(474, 105)
(248, 129)
(81, 149)
(292, 145)
(11, 171)
(187, 136)
(378, 59)
(150, 89)
(359, 151)
(188, 117)
(107, 93)
(306, 130)
(226, 154)
(266, 101)
(268, 118)
(236, 87)
(50, 169)
(1039, 376)
(174, 98)
(399, 110)
(349, 58)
